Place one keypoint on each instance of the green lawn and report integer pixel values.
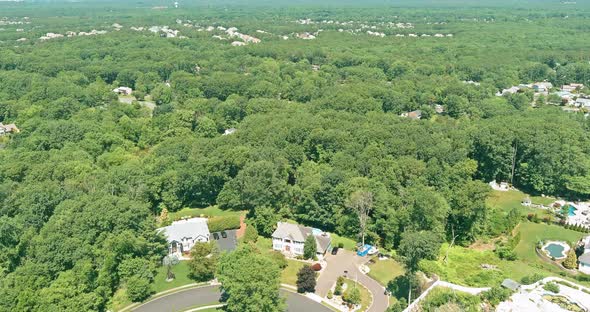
(365, 294)
(289, 274)
(212, 211)
(348, 243)
(513, 199)
(181, 272)
(384, 271)
(531, 233)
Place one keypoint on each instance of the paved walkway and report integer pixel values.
(348, 261)
(210, 295)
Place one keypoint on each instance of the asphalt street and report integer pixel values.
(183, 300)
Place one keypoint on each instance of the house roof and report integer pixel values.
(190, 228)
(299, 233)
(294, 231)
(585, 258)
(510, 284)
(323, 242)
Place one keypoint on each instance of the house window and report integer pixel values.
(287, 241)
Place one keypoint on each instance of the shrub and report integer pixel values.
(506, 253)
(338, 288)
(341, 245)
(279, 259)
(316, 267)
(251, 234)
(330, 295)
(352, 295)
(138, 288)
(571, 261)
(530, 279)
(496, 295)
(222, 223)
(552, 287)
(306, 280)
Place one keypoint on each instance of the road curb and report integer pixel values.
(164, 294)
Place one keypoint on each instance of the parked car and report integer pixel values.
(216, 236)
(224, 234)
(335, 250)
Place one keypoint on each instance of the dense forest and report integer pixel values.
(316, 120)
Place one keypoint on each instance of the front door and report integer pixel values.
(288, 248)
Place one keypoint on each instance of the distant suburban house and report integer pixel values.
(123, 90)
(290, 238)
(10, 128)
(182, 235)
(511, 90)
(229, 131)
(415, 115)
(542, 86)
(584, 259)
(582, 102)
(572, 87)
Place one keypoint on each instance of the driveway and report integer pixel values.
(348, 261)
(209, 295)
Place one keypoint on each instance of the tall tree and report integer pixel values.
(361, 202)
(250, 281)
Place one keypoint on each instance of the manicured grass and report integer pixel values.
(289, 274)
(531, 233)
(512, 199)
(212, 211)
(384, 271)
(180, 271)
(348, 243)
(365, 294)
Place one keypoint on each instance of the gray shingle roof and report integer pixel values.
(295, 232)
(298, 233)
(510, 284)
(191, 228)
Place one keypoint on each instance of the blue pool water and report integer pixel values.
(571, 210)
(555, 250)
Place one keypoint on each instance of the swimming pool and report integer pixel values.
(571, 210)
(556, 250)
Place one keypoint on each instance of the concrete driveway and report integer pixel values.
(210, 295)
(348, 261)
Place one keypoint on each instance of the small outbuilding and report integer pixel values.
(510, 284)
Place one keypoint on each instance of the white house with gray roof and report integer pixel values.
(290, 238)
(182, 235)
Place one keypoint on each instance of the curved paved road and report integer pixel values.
(348, 261)
(205, 295)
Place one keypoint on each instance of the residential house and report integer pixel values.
(415, 115)
(542, 87)
(584, 259)
(123, 90)
(566, 97)
(229, 131)
(182, 235)
(10, 128)
(511, 90)
(572, 87)
(290, 238)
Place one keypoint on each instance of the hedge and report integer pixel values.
(223, 223)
